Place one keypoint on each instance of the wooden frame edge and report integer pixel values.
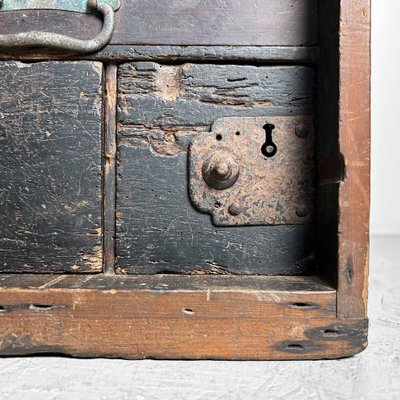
(354, 144)
(170, 317)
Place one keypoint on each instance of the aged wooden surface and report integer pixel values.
(50, 167)
(251, 54)
(160, 109)
(354, 145)
(222, 315)
(306, 285)
(176, 317)
(109, 186)
(372, 375)
(187, 22)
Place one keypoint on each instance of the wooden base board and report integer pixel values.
(175, 317)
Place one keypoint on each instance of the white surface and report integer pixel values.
(385, 217)
(373, 374)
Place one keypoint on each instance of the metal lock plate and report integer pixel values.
(255, 171)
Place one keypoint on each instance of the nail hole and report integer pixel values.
(331, 333)
(295, 346)
(41, 307)
(307, 306)
(237, 133)
(187, 311)
(217, 204)
(218, 137)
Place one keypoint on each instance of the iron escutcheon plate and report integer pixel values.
(255, 171)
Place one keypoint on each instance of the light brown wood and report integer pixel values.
(109, 181)
(354, 145)
(175, 318)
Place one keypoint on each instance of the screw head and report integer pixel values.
(302, 211)
(235, 209)
(301, 130)
(220, 170)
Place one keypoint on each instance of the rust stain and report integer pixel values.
(276, 177)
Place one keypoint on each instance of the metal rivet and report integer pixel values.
(92, 4)
(302, 211)
(301, 130)
(221, 170)
(235, 209)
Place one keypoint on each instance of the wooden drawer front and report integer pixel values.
(186, 22)
(50, 167)
(160, 110)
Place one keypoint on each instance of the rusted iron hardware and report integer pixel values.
(81, 6)
(58, 41)
(255, 171)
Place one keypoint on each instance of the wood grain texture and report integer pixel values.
(160, 109)
(354, 144)
(372, 375)
(235, 318)
(210, 22)
(50, 167)
(152, 94)
(251, 54)
(110, 150)
(185, 22)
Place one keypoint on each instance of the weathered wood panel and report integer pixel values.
(354, 145)
(109, 182)
(195, 95)
(186, 22)
(160, 109)
(250, 54)
(204, 317)
(50, 167)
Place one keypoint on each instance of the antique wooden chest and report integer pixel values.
(184, 179)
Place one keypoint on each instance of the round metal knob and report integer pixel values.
(221, 170)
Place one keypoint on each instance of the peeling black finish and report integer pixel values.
(50, 167)
(206, 22)
(160, 109)
(160, 231)
(168, 54)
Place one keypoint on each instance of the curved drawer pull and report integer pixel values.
(58, 41)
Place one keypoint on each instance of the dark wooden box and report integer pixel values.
(196, 188)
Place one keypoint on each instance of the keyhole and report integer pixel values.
(269, 148)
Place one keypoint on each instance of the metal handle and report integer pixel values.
(57, 41)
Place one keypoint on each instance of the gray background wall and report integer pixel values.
(385, 196)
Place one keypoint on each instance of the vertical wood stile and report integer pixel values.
(109, 189)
